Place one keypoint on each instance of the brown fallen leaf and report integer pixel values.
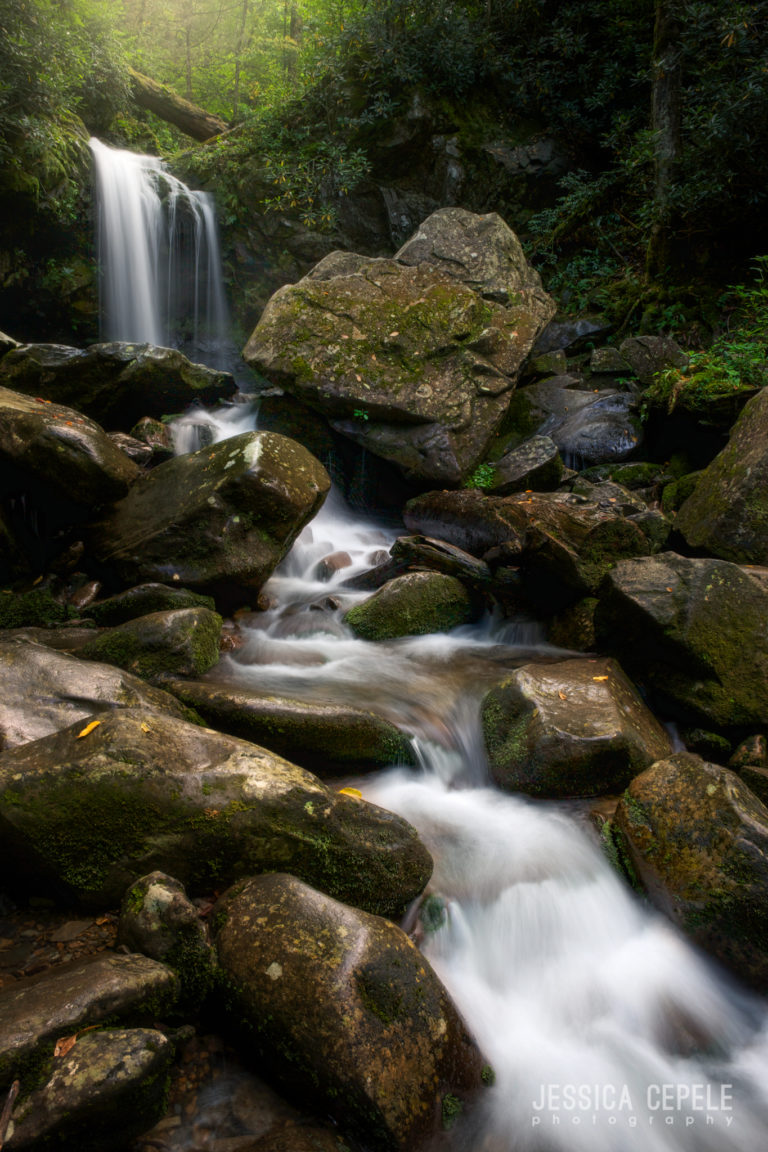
(88, 729)
(65, 1045)
(562, 695)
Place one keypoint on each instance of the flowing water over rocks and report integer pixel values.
(606, 1031)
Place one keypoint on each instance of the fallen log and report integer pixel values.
(174, 109)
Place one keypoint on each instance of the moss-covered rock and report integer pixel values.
(347, 1011)
(107, 1090)
(115, 383)
(35, 1012)
(46, 446)
(408, 359)
(88, 812)
(693, 630)
(327, 739)
(647, 355)
(697, 838)
(575, 728)
(727, 512)
(412, 605)
(142, 600)
(45, 691)
(184, 642)
(218, 520)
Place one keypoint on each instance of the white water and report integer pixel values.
(159, 257)
(582, 999)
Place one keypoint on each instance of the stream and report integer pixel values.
(605, 1029)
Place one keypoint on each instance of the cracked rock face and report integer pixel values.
(416, 357)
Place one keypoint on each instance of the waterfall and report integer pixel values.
(159, 256)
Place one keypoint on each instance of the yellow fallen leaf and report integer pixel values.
(88, 729)
(37, 581)
(600, 677)
(146, 728)
(351, 792)
(562, 695)
(65, 1045)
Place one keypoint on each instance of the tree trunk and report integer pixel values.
(169, 106)
(665, 122)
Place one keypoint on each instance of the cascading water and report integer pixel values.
(606, 1030)
(159, 256)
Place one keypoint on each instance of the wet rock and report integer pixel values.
(184, 642)
(576, 728)
(88, 815)
(327, 739)
(693, 631)
(756, 779)
(574, 627)
(115, 383)
(697, 839)
(143, 600)
(158, 919)
(218, 520)
(349, 1011)
(413, 605)
(550, 364)
(156, 436)
(726, 514)
(647, 355)
(45, 447)
(36, 1012)
(107, 1090)
(301, 1139)
(45, 691)
(708, 745)
(536, 464)
(410, 361)
(438, 556)
(607, 429)
(7, 343)
(331, 564)
(140, 453)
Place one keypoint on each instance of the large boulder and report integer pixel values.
(534, 465)
(218, 520)
(37, 1011)
(693, 630)
(184, 642)
(574, 728)
(49, 449)
(327, 739)
(727, 512)
(608, 429)
(696, 837)
(414, 360)
(88, 811)
(412, 605)
(45, 691)
(116, 383)
(346, 1010)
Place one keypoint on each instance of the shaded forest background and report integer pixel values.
(653, 196)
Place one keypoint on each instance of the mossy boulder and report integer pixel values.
(115, 383)
(105, 1092)
(87, 815)
(218, 520)
(347, 1011)
(36, 1012)
(693, 630)
(46, 448)
(45, 691)
(143, 600)
(327, 739)
(408, 359)
(573, 728)
(697, 839)
(648, 355)
(726, 515)
(412, 605)
(184, 642)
